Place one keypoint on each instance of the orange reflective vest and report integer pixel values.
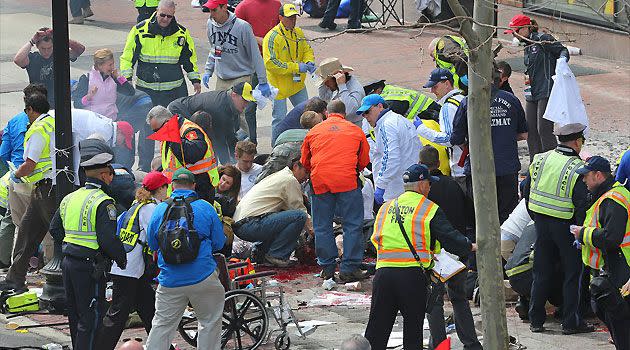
(208, 164)
(591, 255)
(416, 212)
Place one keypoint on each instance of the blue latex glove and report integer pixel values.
(311, 67)
(303, 67)
(14, 178)
(563, 58)
(205, 79)
(264, 89)
(378, 195)
(417, 122)
(464, 80)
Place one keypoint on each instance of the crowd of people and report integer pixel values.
(390, 164)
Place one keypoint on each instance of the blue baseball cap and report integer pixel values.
(369, 101)
(418, 172)
(438, 75)
(595, 163)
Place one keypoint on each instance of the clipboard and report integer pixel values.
(445, 266)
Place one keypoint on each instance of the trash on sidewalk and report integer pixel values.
(353, 287)
(340, 299)
(308, 327)
(329, 284)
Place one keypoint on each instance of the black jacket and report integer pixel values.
(540, 60)
(449, 196)
(613, 218)
(108, 242)
(449, 238)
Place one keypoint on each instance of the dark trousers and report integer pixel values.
(356, 12)
(540, 137)
(250, 115)
(464, 322)
(77, 6)
(555, 243)
(85, 301)
(507, 195)
(618, 326)
(144, 13)
(31, 232)
(137, 117)
(397, 289)
(146, 148)
(129, 294)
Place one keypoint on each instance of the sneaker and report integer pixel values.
(76, 20)
(327, 274)
(522, 311)
(87, 12)
(354, 276)
(536, 329)
(277, 262)
(330, 26)
(583, 328)
(6, 285)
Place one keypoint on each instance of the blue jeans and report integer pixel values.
(274, 234)
(77, 6)
(280, 111)
(348, 205)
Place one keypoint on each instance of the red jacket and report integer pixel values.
(335, 151)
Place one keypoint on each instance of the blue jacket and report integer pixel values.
(210, 231)
(12, 148)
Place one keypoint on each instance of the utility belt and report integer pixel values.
(43, 189)
(242, 222)
(100, 263)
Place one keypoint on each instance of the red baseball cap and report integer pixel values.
(517, 22)
(127, 130)
(212, 4)
(154, 180)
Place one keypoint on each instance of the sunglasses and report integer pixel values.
(164, 15)
(367, 111)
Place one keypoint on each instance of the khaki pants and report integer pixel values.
(19, 198)
(207, 298)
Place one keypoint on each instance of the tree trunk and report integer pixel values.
(479, 39)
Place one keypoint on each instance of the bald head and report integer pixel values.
(131, 345)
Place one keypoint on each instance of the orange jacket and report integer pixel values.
(335, 151)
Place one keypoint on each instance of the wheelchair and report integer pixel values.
(249, 299)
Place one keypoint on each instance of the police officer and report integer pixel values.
(406, 102)
(400, 282)
(161, 47)
(86, 223)
(605, 238)
(556, 199)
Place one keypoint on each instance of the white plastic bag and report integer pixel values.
(565, 104)
(195, 3)
(261, 101)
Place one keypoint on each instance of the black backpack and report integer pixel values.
(177, 238)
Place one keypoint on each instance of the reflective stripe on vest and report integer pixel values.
(160, 86)
(519, 269)
(4, 190)
(591, 255)
(416, 212)
(147, 3)
(208, 164)
(418, 102)
(78, 215)
(44, 127)
(553, 177)
(439, 47)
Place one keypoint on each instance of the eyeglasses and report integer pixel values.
(164, 15)
(367, 111)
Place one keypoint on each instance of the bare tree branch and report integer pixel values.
(601, 15)
(465, 22)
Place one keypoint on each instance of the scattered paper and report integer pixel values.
(340, 299)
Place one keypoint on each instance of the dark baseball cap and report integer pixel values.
(418, 172)
(438, 75)
(184, 175)
(595, 163)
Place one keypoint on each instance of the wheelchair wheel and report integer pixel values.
(283, 342)
(245, 321)
(188, 328)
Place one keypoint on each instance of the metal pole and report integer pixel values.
(54, 294)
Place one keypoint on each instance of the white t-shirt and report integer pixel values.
(516, 222)
(135, 263)
(248, 179)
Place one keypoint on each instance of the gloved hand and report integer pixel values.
(303, 67)
(464, 80)
(14, 178)
(378, 195)
(417, 122)
(265, 89)
(311, 67)
(563, 58)
(205, 79)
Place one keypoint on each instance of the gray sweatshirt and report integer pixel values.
(240, 55)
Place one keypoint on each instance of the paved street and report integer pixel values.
(393, 55)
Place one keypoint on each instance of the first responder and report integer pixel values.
(194, 152)
(450, 52)
(161, 47)
(145, 8)
(4, 193)
(37, 169)
(400, 282)
(556, 199)
(86, 223)
(605, 238)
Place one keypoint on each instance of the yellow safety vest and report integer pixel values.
(147, 3)
(416, 212)
(159, 67)
(553, 178)
(4, 190)
(208, 164)
(591, 255)
(451, 43)
(78, 215)
(44, 126)
(418, 102)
